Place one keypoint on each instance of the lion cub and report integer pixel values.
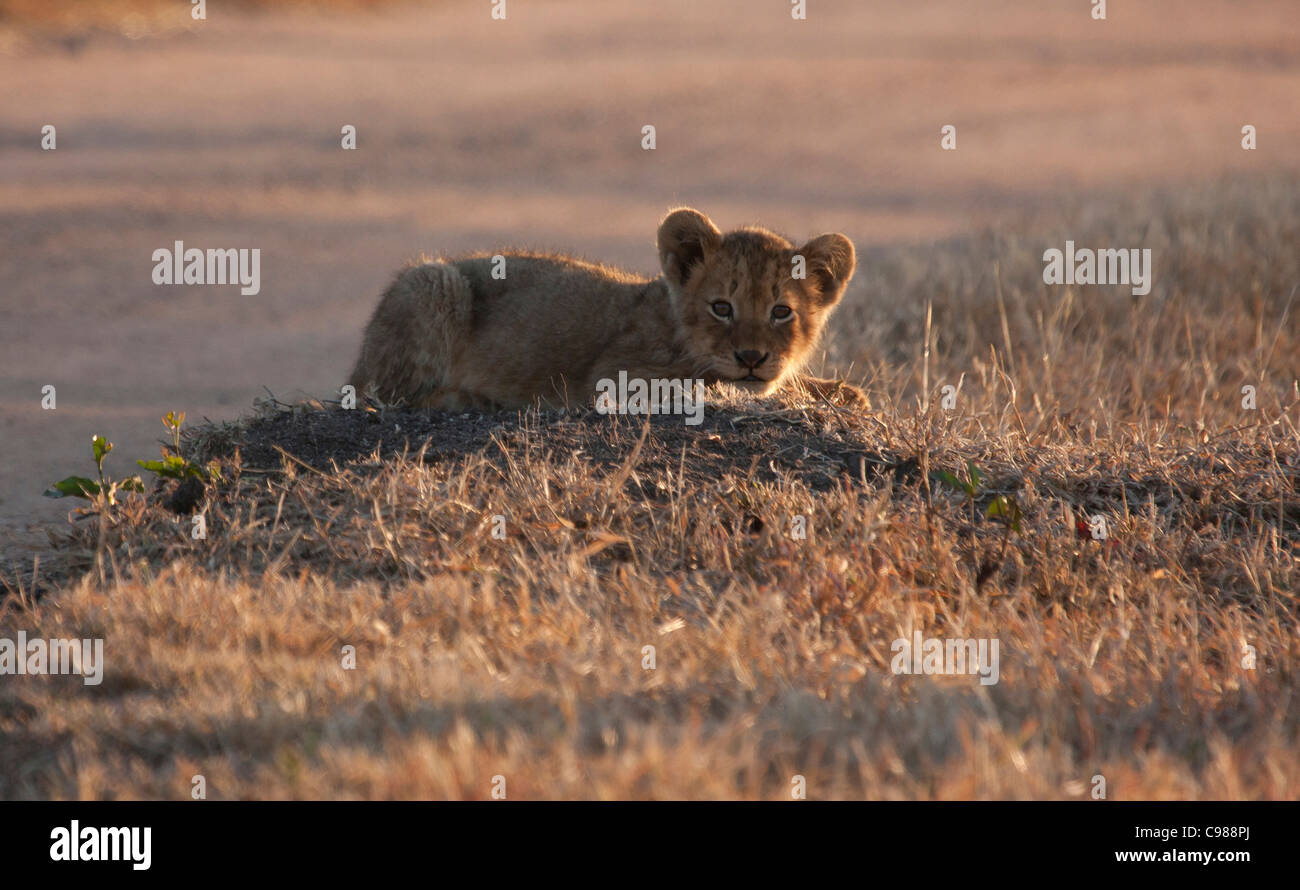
(450, 335)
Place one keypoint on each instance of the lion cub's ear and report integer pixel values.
(830, 260)
(686, 238)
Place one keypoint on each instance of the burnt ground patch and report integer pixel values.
(765, 443)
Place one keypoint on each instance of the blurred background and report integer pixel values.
(476, 133)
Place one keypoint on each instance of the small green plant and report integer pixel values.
(173, 465)
(1001, 508)
(106, 489)
(970, 486)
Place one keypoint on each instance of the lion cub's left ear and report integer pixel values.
(830, 262)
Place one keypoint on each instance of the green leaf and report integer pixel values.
(73, 487)
(956, 483)
(170, 467)
(100, 447)
(975, 476)
(175, 467)
(1005, 509)
(131, 484)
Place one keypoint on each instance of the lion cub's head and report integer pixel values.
(751, 304)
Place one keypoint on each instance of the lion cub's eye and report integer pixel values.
(721, 309)
(781, 313)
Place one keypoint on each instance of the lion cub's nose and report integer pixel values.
(751, 358)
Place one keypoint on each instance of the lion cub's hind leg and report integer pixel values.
(412, 338)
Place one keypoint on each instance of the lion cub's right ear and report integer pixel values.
(686, 238)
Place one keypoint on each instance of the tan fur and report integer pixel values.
(447, 335)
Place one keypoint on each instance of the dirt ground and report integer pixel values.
(474, 133)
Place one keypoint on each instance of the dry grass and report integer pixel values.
(522, 657)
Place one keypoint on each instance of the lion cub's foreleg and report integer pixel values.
(837, 391)
(412, 339)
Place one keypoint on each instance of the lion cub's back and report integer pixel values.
(551, 291)
(549, 315)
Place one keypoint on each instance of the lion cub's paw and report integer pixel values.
(837, 392)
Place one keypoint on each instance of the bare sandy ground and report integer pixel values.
(476, 133)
